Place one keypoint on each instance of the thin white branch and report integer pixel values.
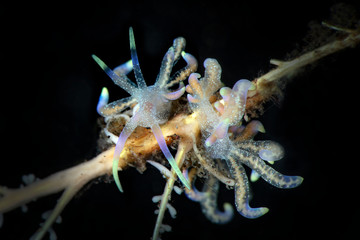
(163, 170)
(286, 68)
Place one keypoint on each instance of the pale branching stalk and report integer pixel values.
(69, 179)
(183, 148)
(266, 85)
(286, 68)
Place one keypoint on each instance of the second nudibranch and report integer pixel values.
(223, 118)
(153, 102)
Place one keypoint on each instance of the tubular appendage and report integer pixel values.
(193, 194)
(219, 132)
(116, 174)
(165, 69)
(116, 107)
(124, 68)
(126, 132)
(184, 72)
(121, 81)
(176, 94)
(190, 59)
(179, 44)
(242, 191)
(103, 99)
(266, 172)
(135, 61)
(160, 139)
(265, 149)
(195, 85)
(209, 204)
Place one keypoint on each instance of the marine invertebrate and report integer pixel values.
(218, 145)
(153, 103)
(199, 142)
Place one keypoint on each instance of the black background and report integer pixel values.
(50, 87)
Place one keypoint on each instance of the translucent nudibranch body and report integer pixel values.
(224, 118)
(232, 109)
(229, 112)
(153, 102)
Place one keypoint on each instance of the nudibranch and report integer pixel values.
(153, 102)
(225, 138)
